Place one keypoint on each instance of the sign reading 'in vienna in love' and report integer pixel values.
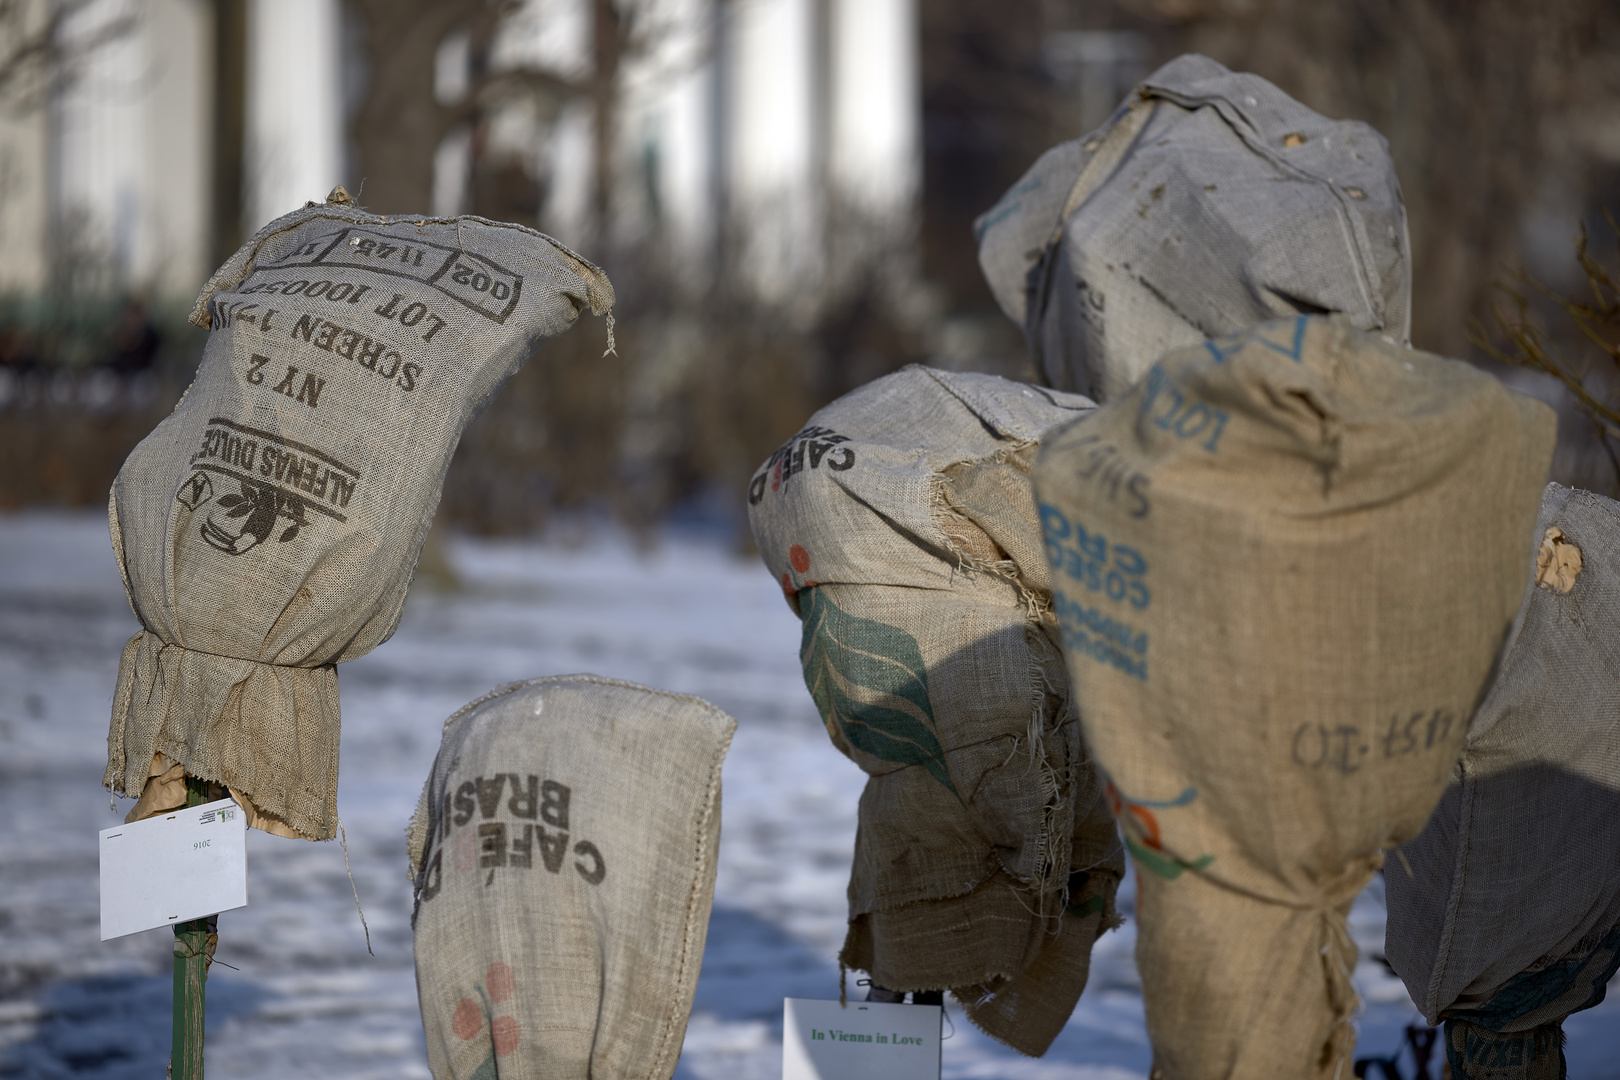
(863, 1040)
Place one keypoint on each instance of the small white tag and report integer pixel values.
(173, 867)
(864, 1040)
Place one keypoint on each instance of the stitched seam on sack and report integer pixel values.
(1251, 137)
(1442, 952)
(123, 699)
(672, 1022)
(1098, 169)
(596, 680)
(1002, 431)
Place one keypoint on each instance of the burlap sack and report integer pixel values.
(563, 854)
(267, 529)
(1285, 565)
(1505, 911)
(1208, 202)
(901, 526)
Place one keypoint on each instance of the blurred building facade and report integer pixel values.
(763, 115)
(783, 191)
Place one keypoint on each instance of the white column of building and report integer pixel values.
(25, 201)
(875, 151)
(667, 135)
(99, 180)
(178, 137)
(771, 166)
(295, 108)
(125, 179)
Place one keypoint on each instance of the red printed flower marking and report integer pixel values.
(499, 981)
(800, 559)
(468, 1020)
(504, 1031)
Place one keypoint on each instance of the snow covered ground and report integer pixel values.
(306, 999)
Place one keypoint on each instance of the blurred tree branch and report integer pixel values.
(44, 51)
(402, 120)
(1597, 321)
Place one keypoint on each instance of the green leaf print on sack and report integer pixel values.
(869, 682)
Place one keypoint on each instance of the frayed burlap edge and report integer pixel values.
(192, 706)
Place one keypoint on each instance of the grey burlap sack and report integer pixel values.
(1208, 202)
(1284, 565)
(563, 854)
(1505, 911)
(267, 529)
(901, 526)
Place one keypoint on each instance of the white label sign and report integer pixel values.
(863, 1040)
(172, 868)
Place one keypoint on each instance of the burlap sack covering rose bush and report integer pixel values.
(1208, 202)
(563, 855)
(1504, 913)
(901, 526)
(267, 530)
(1284, 566)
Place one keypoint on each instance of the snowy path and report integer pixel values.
(308, 1001)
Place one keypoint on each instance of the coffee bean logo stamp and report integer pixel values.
(279, 483)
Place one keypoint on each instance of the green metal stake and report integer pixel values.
(190, 973)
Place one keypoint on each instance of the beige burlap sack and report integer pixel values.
(1208, 202)
(563, 855)
(1505, 911)
(1284, 566)
(267, 529)
(901, 526)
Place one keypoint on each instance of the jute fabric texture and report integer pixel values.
(267, 530)
(1284, 566)
(901, 526)
(1496, 906)
(1208, 202)
(563, 854)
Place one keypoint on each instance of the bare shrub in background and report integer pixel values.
(1589, 364)
(46, 47)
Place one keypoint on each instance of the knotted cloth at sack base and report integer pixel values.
(1208, 202)
(267, 529)
(1284, 567)
(563, 854)
(901, 526)
(1504, 913)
